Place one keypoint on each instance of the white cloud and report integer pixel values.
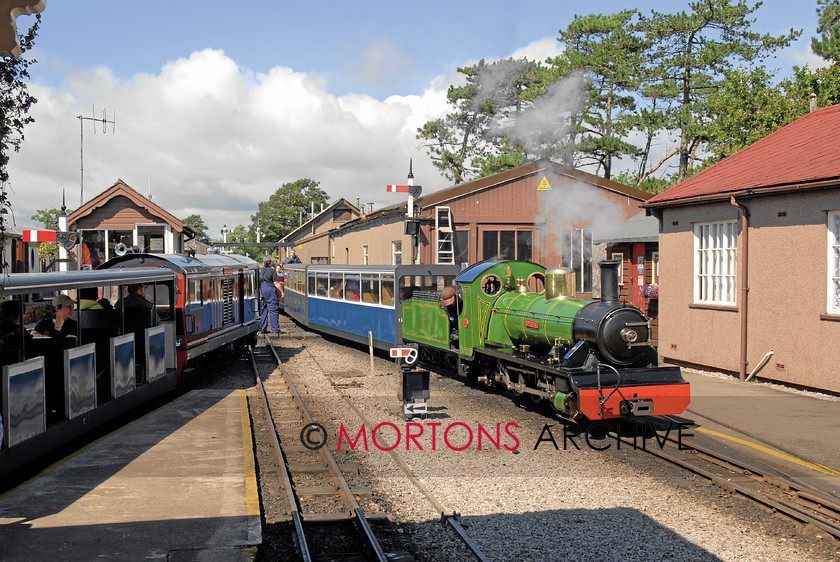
(212, 138)
(539, 50)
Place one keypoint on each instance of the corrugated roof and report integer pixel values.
(798, 155)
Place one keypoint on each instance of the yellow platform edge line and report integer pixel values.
(252, 496)
(806, 464)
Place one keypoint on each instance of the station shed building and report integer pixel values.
(374, 238)
(636, 246)
(541, 211)
(121, 215)
(750, 263)
(311, 240)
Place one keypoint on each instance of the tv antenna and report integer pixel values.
(104, 122)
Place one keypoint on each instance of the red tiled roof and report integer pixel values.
(802, 152)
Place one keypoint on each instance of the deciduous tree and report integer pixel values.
(196, 223)
(48, 217)
(283, 211)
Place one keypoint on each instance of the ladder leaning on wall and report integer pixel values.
(443, 228)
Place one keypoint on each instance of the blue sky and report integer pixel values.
(217, 104)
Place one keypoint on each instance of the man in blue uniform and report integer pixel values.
(293, 258)
(269, 288)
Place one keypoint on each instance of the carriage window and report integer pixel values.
(311, 284)
(370, 288)
(337, 285)
(388, 289)
(158, 293)
(491, 284)
(322, 284)
(195, 291)
(352, 287)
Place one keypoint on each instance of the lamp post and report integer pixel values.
(259, 233)
(224, 233)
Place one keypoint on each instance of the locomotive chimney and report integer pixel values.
(609, 281)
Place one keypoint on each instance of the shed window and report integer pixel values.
(577, 254)
(834, 262)
(507, 245)
(715, 262)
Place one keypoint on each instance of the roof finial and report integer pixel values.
(410, 166)
(63, 204)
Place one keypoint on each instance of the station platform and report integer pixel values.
(178, 484)
(792, 433)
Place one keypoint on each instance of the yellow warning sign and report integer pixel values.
(544, 185)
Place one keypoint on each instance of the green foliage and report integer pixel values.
(611, 57)
(15, 100)
(506, 159)
(691, 52)
(645, 79)
(649, 183)
(748, 106)
(15, 103)
(492, 97)
(243, 235)
(48, 217)
(196, 223)
(282, 213)
(828, 26)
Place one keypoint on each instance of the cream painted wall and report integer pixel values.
(788, 278)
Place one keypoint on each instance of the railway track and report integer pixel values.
(794, 499)
(343, 388)
(327, 520)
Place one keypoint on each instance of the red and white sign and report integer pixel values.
(397, 188)
(39, 235)
(409, 354)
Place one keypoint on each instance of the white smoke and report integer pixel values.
(576, 205)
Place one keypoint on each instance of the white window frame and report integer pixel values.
(365, 254)
(833, 286)
(716, 262)
(395, 252)
(654, 268)
(619, 257)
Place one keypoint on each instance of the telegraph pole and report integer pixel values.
(104, 122)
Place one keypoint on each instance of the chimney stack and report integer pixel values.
(813, 99)
(609, 281)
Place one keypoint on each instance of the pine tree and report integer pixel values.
(828, 26)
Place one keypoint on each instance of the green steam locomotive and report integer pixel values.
(517, 325)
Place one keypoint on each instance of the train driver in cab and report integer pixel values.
(63, 324)
(450, 301)
(136, 298)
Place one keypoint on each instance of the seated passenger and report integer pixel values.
(352, 289)
(10, 325)
(63, 324)
(136, 299)
(87, 299)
